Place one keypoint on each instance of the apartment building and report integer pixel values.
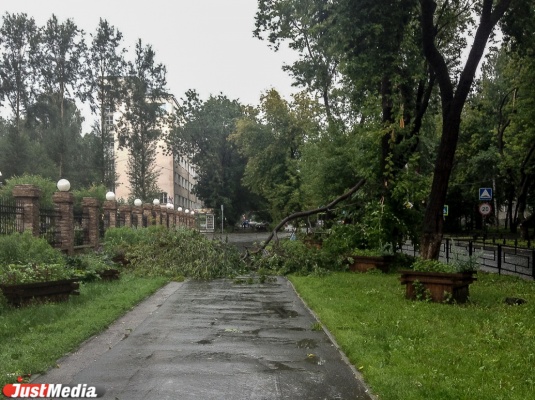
(177, 176)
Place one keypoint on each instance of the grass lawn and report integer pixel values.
(418, 350)
(33, 338)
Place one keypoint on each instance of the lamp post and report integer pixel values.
(138, 202)
(170, 206)
(156, 202)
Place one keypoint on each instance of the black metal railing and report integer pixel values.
(48, 218)
(499, 258)
(81, 229)
(11, 217)
(121, 219)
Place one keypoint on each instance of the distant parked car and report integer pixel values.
(289, 228)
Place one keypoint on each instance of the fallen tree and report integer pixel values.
(308, 213)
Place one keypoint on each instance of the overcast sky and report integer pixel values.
(206, 45)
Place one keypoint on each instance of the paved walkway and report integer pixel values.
(214, 340)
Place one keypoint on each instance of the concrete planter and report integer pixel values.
(25, 293)
(110, 275)
(365, 263)
(438, 287)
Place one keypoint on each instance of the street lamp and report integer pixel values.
(170, 206)
(110, 196)
(156, 202)
(179, 209)
(63, 185)
(187, 211)
(192, 212)
(138, 202)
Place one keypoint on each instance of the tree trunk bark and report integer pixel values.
(453, 99)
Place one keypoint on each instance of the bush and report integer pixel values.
(174, 253)
(14, 274)
(295, 257)
(344, 239)
(459, 264)
(87, 266)
(47, 186)
(24, 248)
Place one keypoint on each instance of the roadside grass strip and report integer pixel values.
(404, 349)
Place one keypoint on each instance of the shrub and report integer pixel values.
(14, 274)
(25, 248)
(468, 264)
(47, 186)
(294, 257)
(88, 266)
(174, 253)
(344, 239)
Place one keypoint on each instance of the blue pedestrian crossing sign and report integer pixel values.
(485, 193)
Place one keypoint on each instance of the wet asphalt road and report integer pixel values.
(215, 340)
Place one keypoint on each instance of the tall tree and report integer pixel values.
(106, 68)
(19, 38)
(203, 133)
(143, 121)
(453, 95)
(62, 67)
(271, 138)
(306, 23)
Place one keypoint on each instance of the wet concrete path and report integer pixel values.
(214, 340)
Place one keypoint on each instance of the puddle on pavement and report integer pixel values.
(278, 366)
(204, 341)
(280, 311)
(307, 344)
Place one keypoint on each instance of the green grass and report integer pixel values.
(33, 338)
(418, 350)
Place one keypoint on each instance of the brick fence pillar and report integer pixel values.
(126, 212)
(137, 211)
(110, 208)
(64, 206)
(147, 213)
(28, 197)
(157, 213)
(90, 207)
(163, 213)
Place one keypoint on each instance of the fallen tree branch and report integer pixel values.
(301, 214)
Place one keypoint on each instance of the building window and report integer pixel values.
(163, 198)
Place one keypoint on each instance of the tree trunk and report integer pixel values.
(452, 101)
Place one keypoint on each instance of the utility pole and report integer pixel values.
(222, 218)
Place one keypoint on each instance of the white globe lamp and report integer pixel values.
(156, 202)
(170, 206)
(138, 202)
(179, 209)
(63, 185)
(110, 196)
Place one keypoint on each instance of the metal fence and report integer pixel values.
(48, 218)
(81, 228)
(503, 259)
(121, 219)
(11, 217)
